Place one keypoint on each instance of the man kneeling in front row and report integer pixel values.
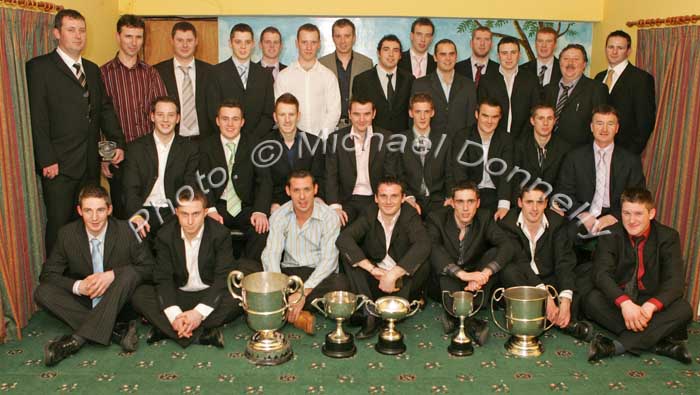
(638, 272)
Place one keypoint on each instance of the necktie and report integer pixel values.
(389, 89)
(423, 150)
(189, 113)
(417, 72)
(97, 266)
(80, 75)
(243, 73)
(477, 76)
(561, 102)
(271, 69)
(541, 154)
(543, 70)
(632, 286)
(601, 175)
(609, 80)
(233, 202)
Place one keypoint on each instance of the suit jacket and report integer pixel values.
(70, 259)
(482, 235)
(455, 114)
(614, 262)
(252, 183)
(66, 122)
(577, 176)
(464, 67)
(409, 246)
(141, 170)
(634, 97)
(531, 68)
(405, 62)
(525, 157)
(360, 63)
(258, 98)
(215, 261)
(390, 116)
(554, 252)
(203, 70)
(575, 118)
(525, 95)
(282, 65)
(468, 151)
(341, 165)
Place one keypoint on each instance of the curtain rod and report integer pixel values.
(32, 5)
(672, 20)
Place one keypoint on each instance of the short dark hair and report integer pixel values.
(241, 28)
(638, 195)
(130, 20)
(390, 180)
(620, 33)
(421, 97)
(575, 46)
(343, 22)
(66, 13)
(271, 29)
(481, 29)
(541, 106)
(308, 27)
(424, 22)
(360, 99)
(190, 194)
(389, 37)
(93, 191)
(489, 101)
(165, 99)
(605, 109)
(183, 26)
(535, 187)
(300, 174)
(230, 103)
(508, 40)
(547, 30)
(444, 41)
(465, 185)
(287, 98)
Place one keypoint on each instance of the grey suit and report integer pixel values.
(360, 63)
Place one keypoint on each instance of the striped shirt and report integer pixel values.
(132, 90)
(312, 245)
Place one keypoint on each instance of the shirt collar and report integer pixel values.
(313, 68)
(139, 63)
(417, 135)
(368, 134)
(415, 55)
(644, 234)
(197, 238)
(236, 62)
(178, 64)
(101, 236)
(439, 74)
(607, 150)
(393, 220)
(572, 84)
(549, 64)
(275, 65)
(68, 60)
(382, 72)
(160, 143)
(225, 141)
(500, 70)
(521, 222)
(620, 67)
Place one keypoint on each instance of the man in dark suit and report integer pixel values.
(157, 168)
(271, 47)
(515, 91)
(386, 250)
(632, 93)
(546, 66)
(90, 275)
(469, 249)
(238, 190)
(417, 60)
(425, 164)
(638, 272)
(454, 95)
(240, 79)
(69, 107)
(387, 86)
(574, 96)
(189, 300)
(355, 162)
(478, 65)
(186, 78)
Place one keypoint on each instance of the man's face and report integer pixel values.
(308, 44)
(604, 128)
(421, 38)
(389, 54)
(389, 198)
(465, 204)
(344, 39)
(361, 116)
(165, 117)
(487, 118)
(543, 121)
(95, 213)
(302, 192)
(446, 57)
(184, 44)
(422, 113)
(636, 217)
(271, 45)
(242, 45)
(508, 55)
(130, 40)
(286, 116)
(481, 43)
(191, 215)
(617, 50)
(572, 64)
(545, 44)
(533, 204)
(230, 121)
(72, 36)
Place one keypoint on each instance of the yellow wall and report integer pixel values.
(101, 17)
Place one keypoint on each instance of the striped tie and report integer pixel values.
(97, 263)
(189, 113)
(233, 202)
(561, 102)
(543, 71)
(600, 188)
(81, 76)
(243, 73)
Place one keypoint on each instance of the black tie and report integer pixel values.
(632, 286)
(389, 89)
(543, 70)
(561, 102)
(541, 154)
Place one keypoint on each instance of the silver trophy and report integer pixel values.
(107, 150)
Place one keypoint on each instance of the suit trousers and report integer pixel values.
(254, 241)
(356, 206)
(116, 192)
(363, 283)
(451, 284)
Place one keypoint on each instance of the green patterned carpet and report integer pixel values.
(425, 368)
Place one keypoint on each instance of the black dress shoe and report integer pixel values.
(581, 330)
(369, 328)
(478, 330)
(155, 335)
(130, 339)
(675, 350)
(212, 337)
(448, 323)
(59, 349)
(600, 347)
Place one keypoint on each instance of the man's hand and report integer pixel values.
(634, 318)
(342, 215)
(216, 216)
(98, 283)
(274, 207)
(141, 224)
(486, 274)
(259, 222)
(412, 202)
(556, 209)
(179, 325)
(295, 309)
(500, 213)
(564, 316)
(193, 319)
(604, 222)
(448, 202)
(377, 272)
(648, 310)
(472, 286)
(552, 309)
(118, 157)
(388, 282)
(477, 277)
(50, 171)
(588, 220)
(105, 169)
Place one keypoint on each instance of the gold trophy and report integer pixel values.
(264, 299)
(526, 318)
(339, 305)
(462, 307)
(392, 309)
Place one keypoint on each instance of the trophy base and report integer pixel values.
(524, 346)
(339, 350)
(390, 347)
(268, 350)
(459, 349)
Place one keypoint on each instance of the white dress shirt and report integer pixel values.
(157, 196)
(509, 88)
(486, 181)
(388, 262)
(445, 86)
(363, 185)
(179, 77)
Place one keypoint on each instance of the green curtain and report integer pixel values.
(672, 157)
(24, 35)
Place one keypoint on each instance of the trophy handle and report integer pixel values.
(234, 280)
(549, 287)
(480, 304)
(294, 284)
(443, 302)
(494, 298)
(415, 306)
(315, 303)
(372, 311)
(362, 300)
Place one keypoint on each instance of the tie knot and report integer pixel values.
(543, 68)
(241, 69)
(479, 67)
(389, 75)
(76, 66)
(231, 147)
(636, 240)
(565, 87)
(185, 69)
(95, 243)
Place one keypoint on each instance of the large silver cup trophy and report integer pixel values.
(462, 307)
(392, 309)
(264, 299)
(526, 318)
(339, 306)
